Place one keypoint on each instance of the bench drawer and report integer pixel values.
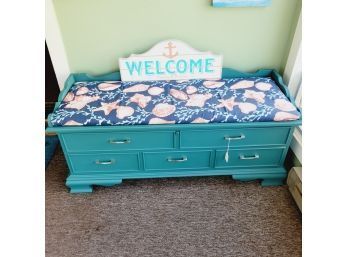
(177, 160)
(104, 163)
(249, 157)
(238, 137)
(116, 141)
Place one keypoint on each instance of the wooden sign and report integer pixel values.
(171, 60)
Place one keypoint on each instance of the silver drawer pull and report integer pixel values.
(182, 159)
(124, 141)
(243, 157)
(241, 136)
(104, 162)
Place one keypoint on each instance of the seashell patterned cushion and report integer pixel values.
(102, 103)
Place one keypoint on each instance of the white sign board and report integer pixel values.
(171, 60)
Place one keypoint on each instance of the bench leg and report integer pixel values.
(81, 189)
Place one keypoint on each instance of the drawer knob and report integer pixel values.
(241, 136)
(252, 157)
(182, 159)
(123, 141)
(108, 162)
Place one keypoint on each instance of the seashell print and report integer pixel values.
(227, 103)
(213, 84)
(284, 105)
(200, 120)
(108, 86)
(163, 110)
(198, 99)
(285, 116)
(72, 123)
(191, 90)
(160, 121)
(124, 111)
(136, 88)
(140, 99)
(263, 86)
(242, 84)
(69, 97)
(258, 96)
(178, 94)
(155, 90)
(107, 108)
(81, 101)
(247, 107)
(82, 90)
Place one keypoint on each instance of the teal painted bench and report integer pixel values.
(106, 155)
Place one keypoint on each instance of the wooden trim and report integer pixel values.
(55, 45)
(293, 70)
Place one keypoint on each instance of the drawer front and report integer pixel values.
(249, 157)
(237, 137)
(177, 160)
(104, 163)
(82, 142)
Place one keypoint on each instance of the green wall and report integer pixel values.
(97, 32)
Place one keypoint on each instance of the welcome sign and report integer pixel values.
(171, 60)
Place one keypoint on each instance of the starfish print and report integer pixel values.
(107, 107)
(227, 103)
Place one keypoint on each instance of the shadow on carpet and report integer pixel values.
(203, 216)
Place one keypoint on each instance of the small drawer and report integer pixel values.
(237, 137)
(115, 141)
(249, 157)
(177, 160)
(103, 163)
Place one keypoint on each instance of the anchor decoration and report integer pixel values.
(170, 47)
(171, 60)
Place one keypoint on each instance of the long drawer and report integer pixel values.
(249, 157)
(177, 160)
(237, 137)
(115, 141)
(104, 163)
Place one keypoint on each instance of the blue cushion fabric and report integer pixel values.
(103, 103)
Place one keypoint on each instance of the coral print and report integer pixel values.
(161, 121)
(284, 105)
(213, 84)
(191, 90)
(198, 100)
(103, 103)
(69, 97)
(258, 96)
(124, 111)
(155, 90)
(136, 88)
(108, 86)
(247, 107)
(140, 99)
(178, 94)
(72, 123)
(242, 84)
(263, 86)
(283, 116)
(163, 110)
(200, 120)
(82, 91)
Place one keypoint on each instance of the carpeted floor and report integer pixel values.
(210, 216)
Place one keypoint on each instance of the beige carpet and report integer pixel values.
(205, 216)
